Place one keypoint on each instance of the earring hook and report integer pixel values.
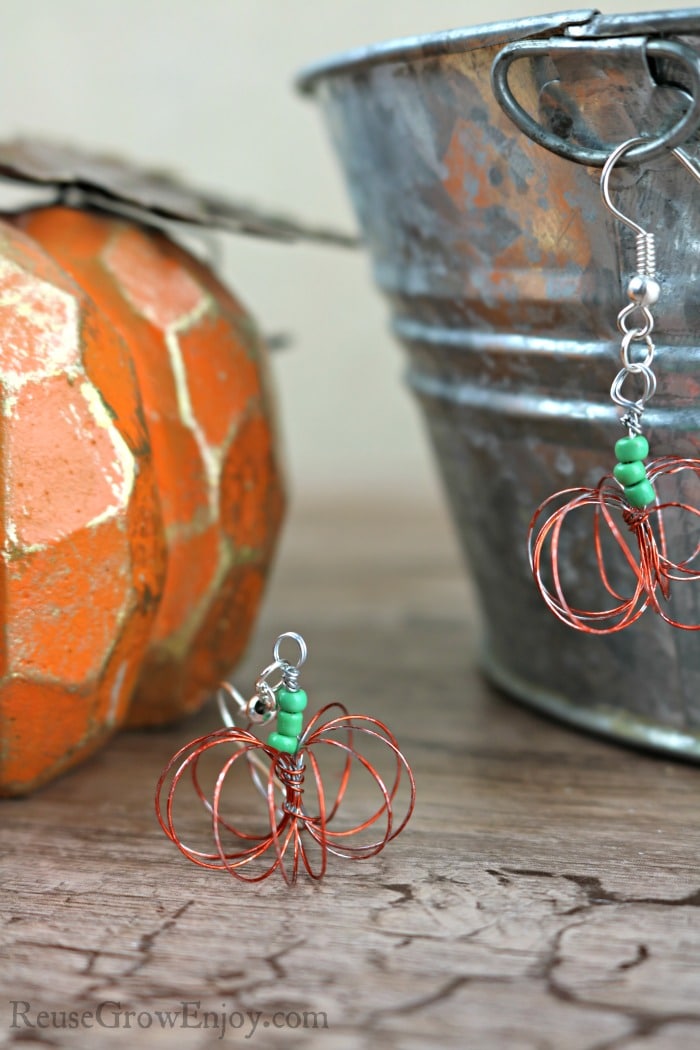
(610, 163)
(687, 163)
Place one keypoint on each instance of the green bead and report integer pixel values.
(290, 723)
(283, 743)
(630, 449)
(630, 473)
(640, 495)
(292, 700)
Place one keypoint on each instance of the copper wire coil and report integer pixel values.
(647, 556)
(292, 823)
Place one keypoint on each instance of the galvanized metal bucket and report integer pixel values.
(505, 275)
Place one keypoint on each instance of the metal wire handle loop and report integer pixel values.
(644, 149)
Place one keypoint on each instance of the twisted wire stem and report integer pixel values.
(290, 677)
(632, 419)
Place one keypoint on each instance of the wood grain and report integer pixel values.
(546, 895)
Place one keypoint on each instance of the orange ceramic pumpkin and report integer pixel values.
(141, 490)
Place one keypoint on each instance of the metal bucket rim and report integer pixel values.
(587, 23)
(432, 45)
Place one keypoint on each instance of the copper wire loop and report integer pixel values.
(292, 827)
(643, 547)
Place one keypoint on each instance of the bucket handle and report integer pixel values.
(654, 147)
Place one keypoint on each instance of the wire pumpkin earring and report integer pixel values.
(278, 769)
(625, 502)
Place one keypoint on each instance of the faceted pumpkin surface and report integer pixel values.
(202, 379)
(83, 552)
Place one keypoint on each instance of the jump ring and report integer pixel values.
(645, 329)
(636, 366)
(648, 392)
(303, 650)
(263, 705)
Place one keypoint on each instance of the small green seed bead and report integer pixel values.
(289, 744)
(292, 700)
(290, 723)
(630, 473)
(640, 495)
(630, 449)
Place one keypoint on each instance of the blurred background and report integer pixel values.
(205, 88)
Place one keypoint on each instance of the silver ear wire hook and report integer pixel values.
(259, 771)
(610, 163)
(646, 251)
(262, 707)
(687, 162)
(643, 290)
(226, 716)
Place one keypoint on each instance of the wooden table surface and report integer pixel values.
(546, 893)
